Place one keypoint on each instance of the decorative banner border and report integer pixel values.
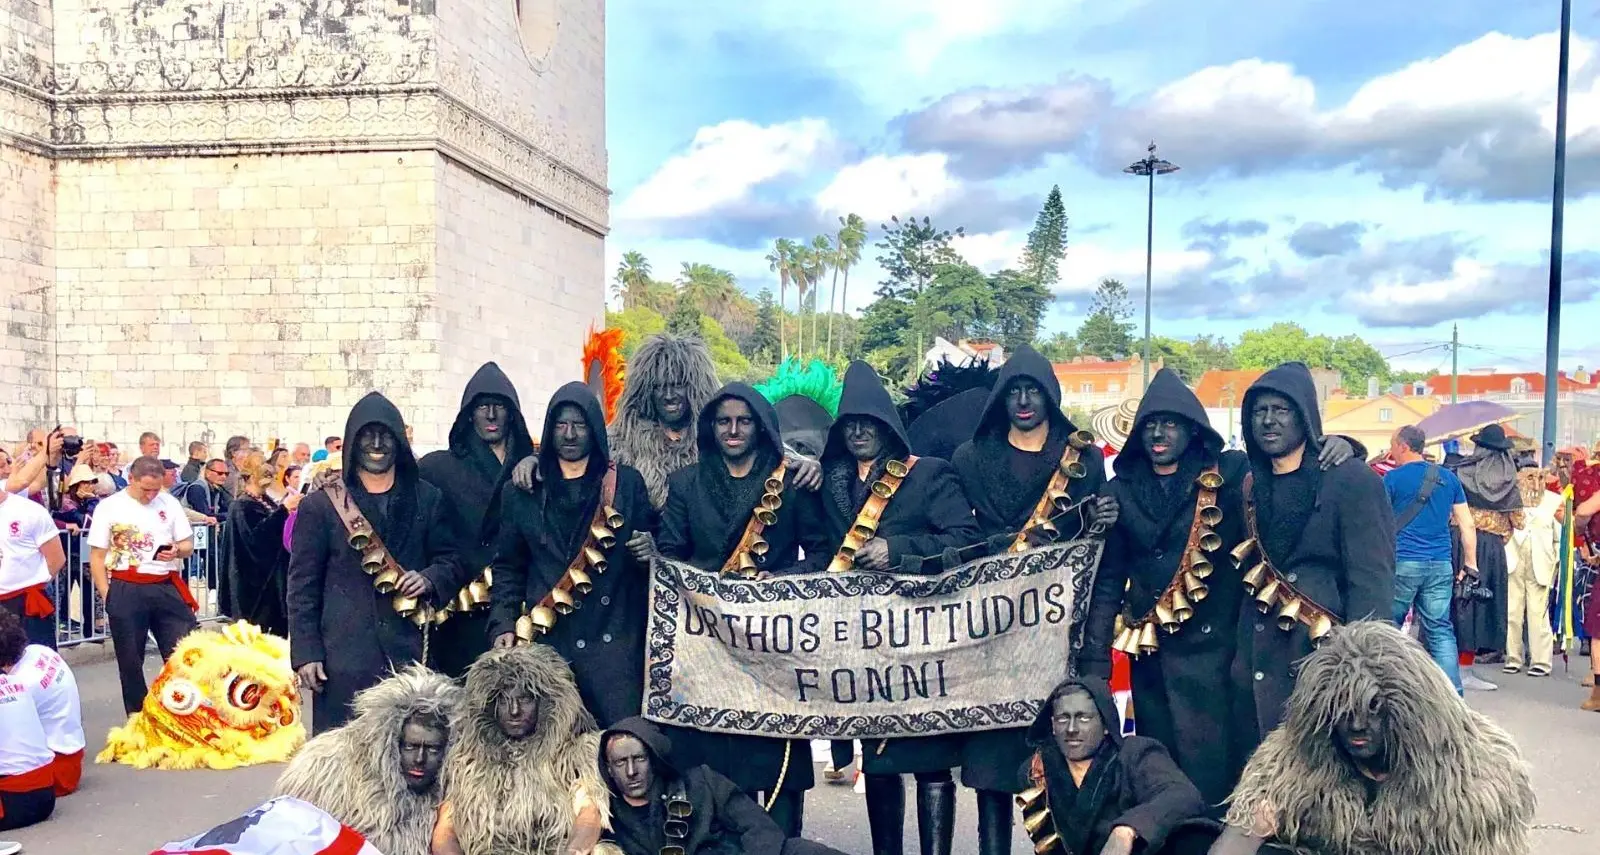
(1068, 569)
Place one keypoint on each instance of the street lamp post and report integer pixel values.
(1150, 167)
(1552, 345)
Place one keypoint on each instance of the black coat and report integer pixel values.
(468, 474)
(1176, 690)
(1331, 534)
(604, 639)
(928, 515)
(258, 565)
(1004, 484)
(1131, 781)
(336, 617)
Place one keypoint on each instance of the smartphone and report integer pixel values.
(159, 549)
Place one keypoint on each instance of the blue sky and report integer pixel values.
(1382, 168)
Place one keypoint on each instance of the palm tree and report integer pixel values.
(852, 236)
(707, 288)
(821, 261)
(781, 261)
(633, 279)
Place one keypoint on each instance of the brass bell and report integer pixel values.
(478, 591)
(1209, 479)
(1321, 625)
(1180, 606)
(602, 536)
(1080, 439)
(1199, 564)
(544, 619)
(1243, 551)
(525, 631)
(1075, 469)
(1267, 596)
(405, 606)
(565, 603)
(759, 546)
(595, 559)
(1127, 640)
(1029, 797)
(613, 519)
(1043, 845)
(772, 501)
(896, 468)
(359, 540)
(1060, 499)
(847, 550)
(582, 582)
(882, 489)
(423, 616)
(766, 516)
(1210, 515)
(1254, 579)
(1209, 541)
(1196, 590)
(372, 562)
(387, 581)
(1147, 639)
(1032, 822)
(1048, 529)
(439, 616)
(773, 484)
(747, 565)
(1168, 620)
(864, 531)
(487, 576)
(1288, 614)
(462, 603)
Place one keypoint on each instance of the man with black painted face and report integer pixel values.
(346, 627)
(1326, 538)
(1158, 554)
(487, 439)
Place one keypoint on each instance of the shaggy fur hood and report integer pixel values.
(1457, 782)
(636, 436)
(519, 796)
(353, 772)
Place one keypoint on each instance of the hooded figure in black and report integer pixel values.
(1105, 793)
(644, 774)
(540, 533)
(926, 518)
(488, 438)
(705, 518)
(344, 636)
(1330, 535)
(1005, 469)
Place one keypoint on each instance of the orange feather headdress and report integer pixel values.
(603, 367)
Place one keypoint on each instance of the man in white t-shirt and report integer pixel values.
(27, 781)
(138, 541)
(30, 557)
(55, 695)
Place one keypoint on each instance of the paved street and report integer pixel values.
(121, 811)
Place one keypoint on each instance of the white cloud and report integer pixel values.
(885, 185)
(723, 165)
(1086, 263)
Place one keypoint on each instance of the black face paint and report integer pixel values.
(1076, 725)
(491, 418)
(672, 405)
(1166, 437)
(1026, 404)
(571, 433)
(376, 446)
(629, 764)
(862, 435)
(517, 713)
(1276, 425)
(422, 747)
(1362, 733)
(735, 428)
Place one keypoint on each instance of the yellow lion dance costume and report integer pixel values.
(225, 699)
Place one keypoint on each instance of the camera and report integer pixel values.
(71, 446)
(1470, 589)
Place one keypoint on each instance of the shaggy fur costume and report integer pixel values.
(1457, 783)
(521, 796)
(353, 772)
(637, 439)
(225, 699)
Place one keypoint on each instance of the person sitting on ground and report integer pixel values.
(27, 776)
(656, 806)
(47, 677)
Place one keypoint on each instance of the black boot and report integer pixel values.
(886, 814)
(789, 812)
(994, 823)
(936, 816)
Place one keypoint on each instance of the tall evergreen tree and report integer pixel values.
(764, 341)
(1047, 243)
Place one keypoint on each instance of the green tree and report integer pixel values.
(637, 324)
(685, 319)
(957, 304)
(912, 252)
(852, 236)
(1060, 347)
(818, 260)
(1106, 332)
(1019, 306)
(705, 287)
(782, 260)
(730, 363)
(764, 342)
(1352, 357)
(632, 280)
(1047, 243)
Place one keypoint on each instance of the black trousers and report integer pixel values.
(789, 812)
(40, 630)
(20, 810)
(136, 612)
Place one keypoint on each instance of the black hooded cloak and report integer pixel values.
(1004, 484)
(336, 617)
(539, 535)
(257, 564)
(928, 515)
(468, 473)
(1176, 689)
(1131, 781)
(1331, 534)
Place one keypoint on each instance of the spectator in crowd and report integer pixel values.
(1531, 560)
(257, 564)
(207, 495)
(169, 484)
(195, 463)
(30, 557)
(1425, 496)
(1489, 478)
(78, 500)
(330, 446)
(29, 471)
(113, 465)
(45, 675)
(233, 452)
(149, 444)
(5, 464)
(291, 480)
(301, 456)
(138, 542)
(27, 777)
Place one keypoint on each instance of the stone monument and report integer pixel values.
(239, 216)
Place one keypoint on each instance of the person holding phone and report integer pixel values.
(138, 541)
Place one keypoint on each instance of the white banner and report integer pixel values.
(283, 826)
(862, 655)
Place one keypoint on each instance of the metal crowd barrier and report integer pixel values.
(80, 614)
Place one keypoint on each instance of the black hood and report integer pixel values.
(804, 424)
(864, 395)
(578, 393)
(375, 409)
(490, 380)
(765, 414)
(1293, 381)
(1039, 734)
(656, 742)
(1167, 394)
(1029, 363)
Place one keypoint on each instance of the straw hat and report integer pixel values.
(1114, 425)
(81, 474)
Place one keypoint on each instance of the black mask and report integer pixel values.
(490, 418)
(864, 437)
(376, 446)
(629, 764)
(1076, 725)
(1166, 437)
(422, 747)
(672, 405)
(1026, 404)
(517, 713)
(736, 429)
(571, 433)
(1361, 734)
(1276, 425)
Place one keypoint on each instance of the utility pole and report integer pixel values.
(1149, 167)
(1552, 344)
(1455, 365)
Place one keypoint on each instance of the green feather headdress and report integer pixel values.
(815, 381)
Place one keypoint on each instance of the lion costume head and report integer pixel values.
(226, 698)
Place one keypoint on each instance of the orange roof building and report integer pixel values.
(1219, 389)
(1495, 383)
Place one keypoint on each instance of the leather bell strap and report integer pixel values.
(377, 561)
(567, 594)
(744, 559)
(1270, 588)
(1060, 480)
(865, 526)
(1176, 604)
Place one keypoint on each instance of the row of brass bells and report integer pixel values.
(1174, 611)
(1036, 820)
(1137, 640)
(535, 624)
